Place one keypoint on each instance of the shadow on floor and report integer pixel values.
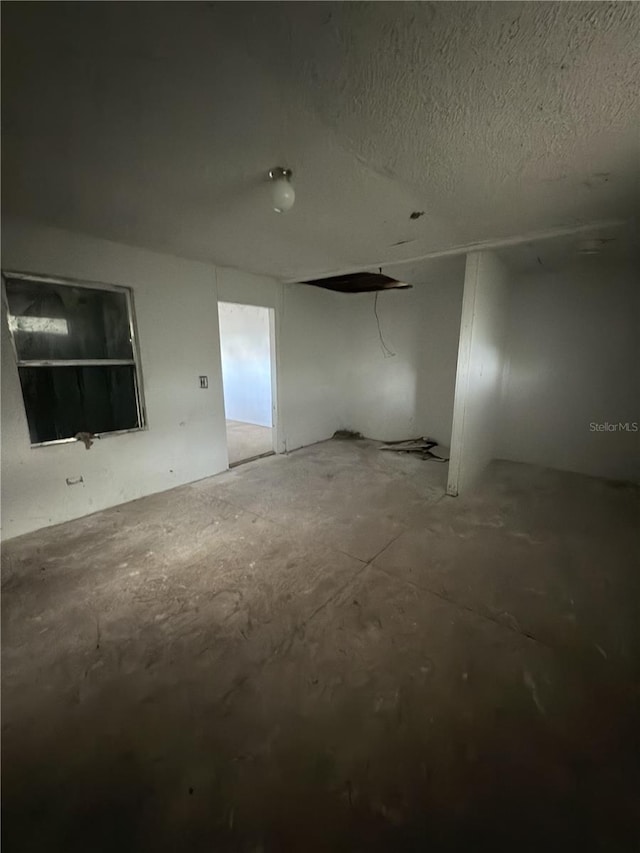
(321, 652)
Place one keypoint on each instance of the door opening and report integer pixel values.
(248, 378)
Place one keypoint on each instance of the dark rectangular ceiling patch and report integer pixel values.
(358, 282)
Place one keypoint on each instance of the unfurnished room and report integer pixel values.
(320, 427)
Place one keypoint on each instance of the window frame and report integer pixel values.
(83, 362)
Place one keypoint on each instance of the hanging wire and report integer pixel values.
(387, 353)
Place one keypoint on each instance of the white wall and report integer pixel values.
(481, 358)
(176, 303)
(176, 310)
(246, 362)
(312, 348)
(574, 360)
(331, 373)
(410, 393)
(315, 351)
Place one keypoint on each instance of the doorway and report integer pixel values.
(248, 378)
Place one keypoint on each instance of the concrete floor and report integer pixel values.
(321, 652)
(246, 441)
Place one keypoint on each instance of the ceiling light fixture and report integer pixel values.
(283, 194)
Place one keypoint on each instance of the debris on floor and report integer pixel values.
(348, 434)
(422, 447)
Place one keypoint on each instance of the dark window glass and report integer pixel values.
(63, 401)
(62, 322)
(53, 324)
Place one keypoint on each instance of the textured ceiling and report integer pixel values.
(155, 124)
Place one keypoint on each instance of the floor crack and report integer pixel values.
(269, 520)
(509, 627)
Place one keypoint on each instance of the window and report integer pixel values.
(76, 355)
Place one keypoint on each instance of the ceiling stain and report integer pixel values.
(417, 214)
